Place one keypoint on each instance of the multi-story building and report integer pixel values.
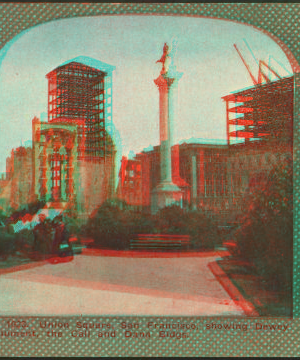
(73, 154)
(80, 91)
(261, 114)
(130, 185)
(4, 193)
(15, 188)
(259, 134)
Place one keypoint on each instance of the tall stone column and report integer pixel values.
(166, 193)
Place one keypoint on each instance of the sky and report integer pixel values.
(205, 54)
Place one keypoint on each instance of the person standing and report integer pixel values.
(61, 244)
(42, 234)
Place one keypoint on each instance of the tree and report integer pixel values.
(110, 227)
(265, 236)
(171, 220)
(3, 216)
(7, 243)
(175, 220)
(202, 230)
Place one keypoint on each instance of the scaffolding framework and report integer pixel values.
(79, 93)
(261, 113)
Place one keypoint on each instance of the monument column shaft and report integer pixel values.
(165, 135)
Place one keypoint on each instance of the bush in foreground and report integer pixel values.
(112, 227)
(265, 236)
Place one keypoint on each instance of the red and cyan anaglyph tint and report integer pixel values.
(183, 227)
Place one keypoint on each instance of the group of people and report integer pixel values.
(51, 237)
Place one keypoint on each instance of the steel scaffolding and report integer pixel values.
(79, 93)
(261, 113)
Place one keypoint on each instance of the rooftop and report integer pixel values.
(205, 141)
(275, 84)
(90, 62)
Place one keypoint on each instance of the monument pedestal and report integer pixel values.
(165, 194)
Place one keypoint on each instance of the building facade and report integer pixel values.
(73, 154)
(15, 187)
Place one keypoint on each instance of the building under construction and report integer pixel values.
(73, 153)
(263, 113)
(80, 90)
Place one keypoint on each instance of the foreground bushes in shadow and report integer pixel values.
(29, 242)
(200, 228)
(265, 235)
(8, 243)
(113, 227)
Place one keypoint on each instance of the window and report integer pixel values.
(56, 178)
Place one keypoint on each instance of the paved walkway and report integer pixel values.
(115, 285)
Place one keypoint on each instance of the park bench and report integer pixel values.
(160, 242)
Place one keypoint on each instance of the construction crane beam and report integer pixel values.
(269, 67)
(246, 65)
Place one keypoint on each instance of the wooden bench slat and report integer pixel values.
(163, 236)
(159, 241)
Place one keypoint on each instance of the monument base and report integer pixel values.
(165, 194)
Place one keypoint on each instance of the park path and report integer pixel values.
(117, 285)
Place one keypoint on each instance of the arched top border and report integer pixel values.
(277, 20)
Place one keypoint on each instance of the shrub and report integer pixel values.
(171, 220)
(24, 240)
(72, 224)
(265, 236)
(7, 243)
(110, 227)
(43, 235)
(202, 230)
(3, 217)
